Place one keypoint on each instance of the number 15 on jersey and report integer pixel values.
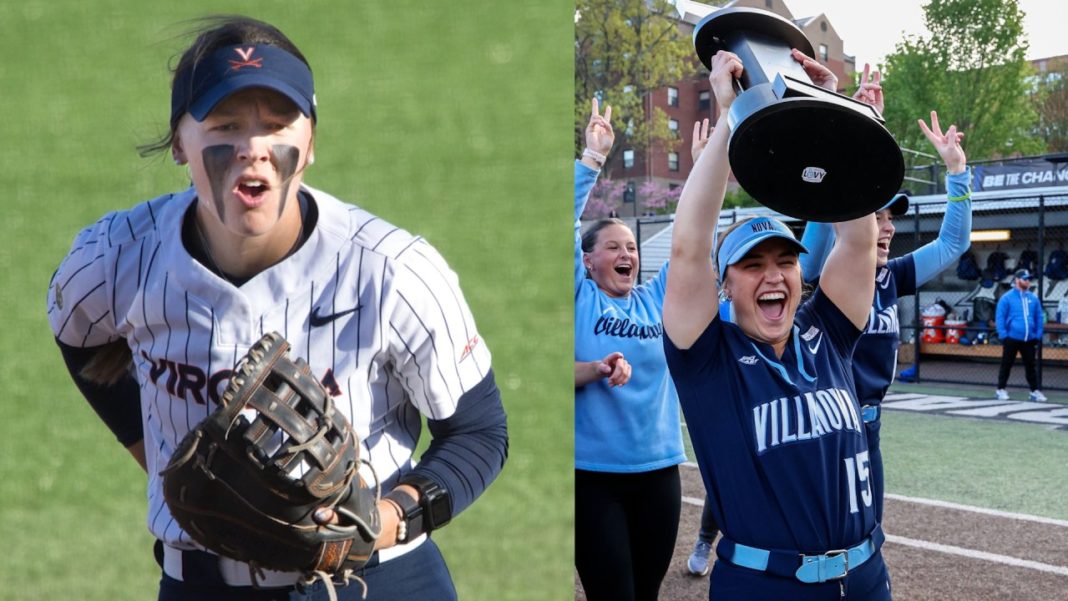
(857, 472)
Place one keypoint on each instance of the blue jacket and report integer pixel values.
(1019, 316)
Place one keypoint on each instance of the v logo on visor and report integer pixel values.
(247, 60)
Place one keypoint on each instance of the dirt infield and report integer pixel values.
(935, 553)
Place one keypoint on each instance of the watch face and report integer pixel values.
(437, 508)
(434, 500)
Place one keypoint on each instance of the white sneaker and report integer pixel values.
(697, 565)
(1002, 395)
(1036, 395)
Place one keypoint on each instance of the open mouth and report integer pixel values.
(884, 245)
(772, 305)
(252, 188)
(624, 270)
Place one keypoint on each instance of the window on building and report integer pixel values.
(628, 159)
(823, 25)
(673, 125)
(769, 3)
(704, 100)
(673, 161)
(823, 52)
(673, 96)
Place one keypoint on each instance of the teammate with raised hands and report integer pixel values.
(875, 358)
(628, 439)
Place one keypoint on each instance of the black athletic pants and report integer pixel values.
(625, 528)
(709, 528)
(1009, 348)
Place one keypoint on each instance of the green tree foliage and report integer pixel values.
(972, 70)
(625, 49)
(1051, 100)
(738, 198)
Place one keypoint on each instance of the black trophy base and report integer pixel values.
(817, 159)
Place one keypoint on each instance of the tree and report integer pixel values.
(606, 197)
(972, 70)
(625, 49)
(1051, 100)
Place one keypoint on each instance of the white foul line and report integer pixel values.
(952, 550)
(947, 505)
(983, 510)
(973, 554)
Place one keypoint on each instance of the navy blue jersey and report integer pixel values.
(780, 442)
(875, 358)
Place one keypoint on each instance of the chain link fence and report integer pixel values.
(1022, 228)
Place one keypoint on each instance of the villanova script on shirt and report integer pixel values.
(625, 328)
(805, 416)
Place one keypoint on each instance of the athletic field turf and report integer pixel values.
(451, 119)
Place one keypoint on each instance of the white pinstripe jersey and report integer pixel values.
(375, 311)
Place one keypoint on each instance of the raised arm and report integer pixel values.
(599, 140)
(689, 304)
(954, 235)
(848, 276)
(819, 237)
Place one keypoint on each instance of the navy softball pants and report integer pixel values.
(418, 574)
(868, 582)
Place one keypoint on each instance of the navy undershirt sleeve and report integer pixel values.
(118, 405)
(468, 449)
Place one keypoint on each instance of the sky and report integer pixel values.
(871, 28)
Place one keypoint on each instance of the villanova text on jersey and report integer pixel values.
(607, 325)
(804, 417)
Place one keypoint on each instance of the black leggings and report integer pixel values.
(1011, 346)
(625, 528)
(709, 527)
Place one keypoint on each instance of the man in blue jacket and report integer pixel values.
(1020, 322)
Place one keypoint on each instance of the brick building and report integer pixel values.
(690, 100)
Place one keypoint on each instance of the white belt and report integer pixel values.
(236, 573)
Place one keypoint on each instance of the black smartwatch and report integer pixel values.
(432, 511)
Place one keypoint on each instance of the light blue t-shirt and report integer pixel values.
(634, 427)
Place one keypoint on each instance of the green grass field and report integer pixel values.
(997, 465)
(452, 119)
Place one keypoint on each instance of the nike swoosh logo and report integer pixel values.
(816, 347)
(317, 320)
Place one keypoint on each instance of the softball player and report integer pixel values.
(875, 358)
(628, 439)
(769, 398)
(186, 282)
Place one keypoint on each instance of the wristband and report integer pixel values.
(410, 524)
(595, 156)
(402, 525)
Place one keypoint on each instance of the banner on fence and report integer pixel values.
(1035, 173)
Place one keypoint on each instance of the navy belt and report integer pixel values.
(831, 565)
(870, 413)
